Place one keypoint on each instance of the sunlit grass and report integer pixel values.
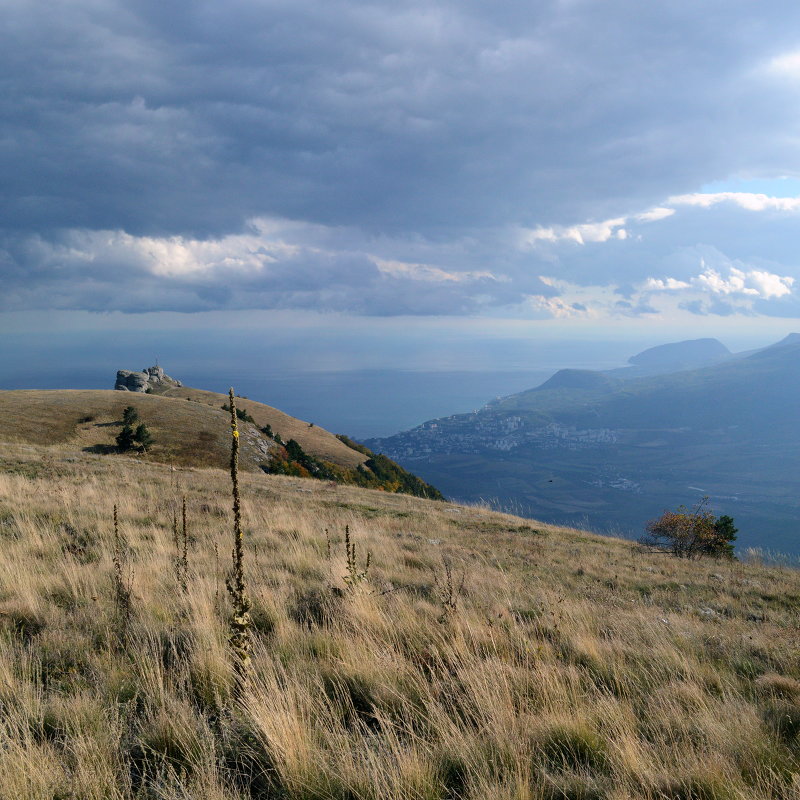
(567, 665)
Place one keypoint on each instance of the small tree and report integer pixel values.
(125, 438)
(691, 534)
(143, 437)
(129, 437)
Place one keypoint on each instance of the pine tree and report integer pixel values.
(125, 438)
(142, 436)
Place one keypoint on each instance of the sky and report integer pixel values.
(435, 184)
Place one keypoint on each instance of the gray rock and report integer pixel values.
(157, 377)
(150, 377)
(129, 381)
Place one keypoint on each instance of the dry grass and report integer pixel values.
(571, 667)
(91, 419)
(311, 438)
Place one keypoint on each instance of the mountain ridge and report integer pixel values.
(612, 459)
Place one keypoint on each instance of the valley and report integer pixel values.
(610, 453)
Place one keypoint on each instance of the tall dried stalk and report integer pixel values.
(183, 561)
(122, 586)
(216, 576)
(175, 539)
(355, 575)
(240, 620)
(448, 590)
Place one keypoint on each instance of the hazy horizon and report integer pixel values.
(358, 396)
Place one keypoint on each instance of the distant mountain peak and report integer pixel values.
(785, 351)
(689, 353)
(790, 339)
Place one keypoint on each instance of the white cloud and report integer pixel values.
(769, 285)
(580, 234)
(431, 274)
(665, 285)
(176, 256)
(786, 65)
(753, 283)
(552, 307)
(746, 283)
(654, 214)
(179, 257)
(275, 264)
(618, 227)
(748, 201)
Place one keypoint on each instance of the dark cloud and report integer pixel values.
(417, 132)
(166, 118)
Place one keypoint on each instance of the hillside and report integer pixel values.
(613, 454)
(190, 428)
(568, 666)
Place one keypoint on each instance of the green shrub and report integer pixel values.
(241, 413)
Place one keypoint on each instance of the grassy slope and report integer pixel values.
(573, 667)
(311, 438)
(53, 416)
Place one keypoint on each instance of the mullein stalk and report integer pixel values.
(240, 620)
(175, 540)
(184, 564)
(122, 589)
(354, 574)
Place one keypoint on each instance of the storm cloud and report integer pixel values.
(397, 158)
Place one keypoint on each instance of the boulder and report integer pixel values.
(157, 377)
(148, 378)
(129, 381)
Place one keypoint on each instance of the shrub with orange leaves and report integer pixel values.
(692, 533)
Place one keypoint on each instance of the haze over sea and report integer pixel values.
(335, 381)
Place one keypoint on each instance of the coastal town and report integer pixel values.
(477, 432)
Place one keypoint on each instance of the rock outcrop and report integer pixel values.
(148, 378)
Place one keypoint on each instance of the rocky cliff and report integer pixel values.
(148, 378)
